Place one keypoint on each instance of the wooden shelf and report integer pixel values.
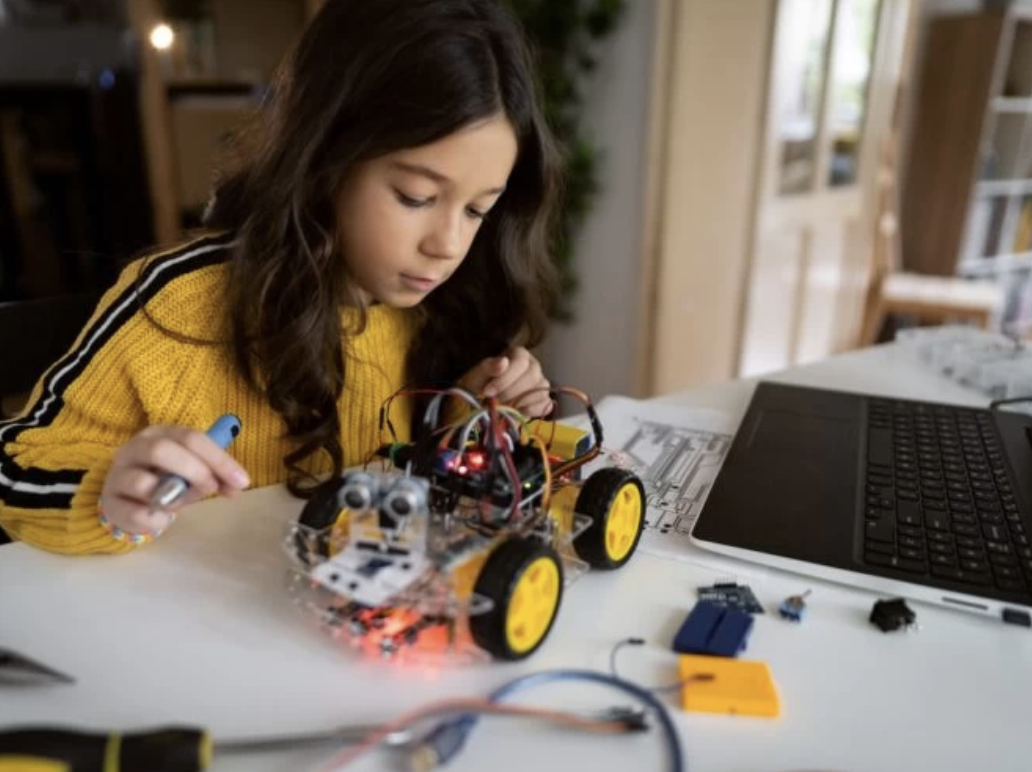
(211, 87)
(1021, 105)
(973, 118)
(990, 188)
(990, 266)
(183, 117)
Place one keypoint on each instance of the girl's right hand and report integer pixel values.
(156, 451)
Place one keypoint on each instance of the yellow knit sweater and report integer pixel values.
(123, 374)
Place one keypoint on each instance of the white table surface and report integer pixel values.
(197, 629)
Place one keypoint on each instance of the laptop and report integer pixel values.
(915, 499)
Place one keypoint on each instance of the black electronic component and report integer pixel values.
(478, 474)
(1018, 617)
(731, 595)
(891, 615)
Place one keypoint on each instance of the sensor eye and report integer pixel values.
(358, 492)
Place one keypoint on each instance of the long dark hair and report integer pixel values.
(370, 77)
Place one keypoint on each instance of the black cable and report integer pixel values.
(996, 404)
(663, 688)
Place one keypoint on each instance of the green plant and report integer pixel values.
(566, 36)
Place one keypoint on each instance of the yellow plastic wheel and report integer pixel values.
(523, 579)
(623, 523)
(614, 499)
(533, 605)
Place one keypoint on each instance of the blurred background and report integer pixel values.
(757, 183)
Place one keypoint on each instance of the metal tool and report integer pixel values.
(189, 749)
(171, 487)
(346, 735)
(17, 669)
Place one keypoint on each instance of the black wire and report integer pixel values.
(664, 688)
(996, 404)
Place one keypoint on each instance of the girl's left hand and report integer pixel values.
(509, 377)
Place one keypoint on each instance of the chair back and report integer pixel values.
(36, 333)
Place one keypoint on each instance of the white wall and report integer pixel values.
(703, 252)
(596, 352)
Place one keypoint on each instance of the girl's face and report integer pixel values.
(408, 218)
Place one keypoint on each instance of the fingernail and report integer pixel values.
(490, 391)
(240, 479)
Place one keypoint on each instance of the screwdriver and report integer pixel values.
(186, 749)
(171, 487)
(165, 749)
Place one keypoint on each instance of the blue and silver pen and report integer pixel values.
(171, 487)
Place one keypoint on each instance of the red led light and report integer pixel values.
(476, 459)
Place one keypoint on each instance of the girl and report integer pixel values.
(387, 224)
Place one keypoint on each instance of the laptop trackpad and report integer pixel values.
(801, 435)
(788, 487)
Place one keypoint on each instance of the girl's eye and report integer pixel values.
(409, 201)
(475, 213)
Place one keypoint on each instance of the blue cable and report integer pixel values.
(446, 739)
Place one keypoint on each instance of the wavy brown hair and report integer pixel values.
(369, 78)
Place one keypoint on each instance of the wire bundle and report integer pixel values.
(446, 739)
(499, 429)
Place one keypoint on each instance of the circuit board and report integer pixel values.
(731, 595)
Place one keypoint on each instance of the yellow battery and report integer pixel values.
(567, 441)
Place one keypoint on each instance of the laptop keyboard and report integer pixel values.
(938, 499)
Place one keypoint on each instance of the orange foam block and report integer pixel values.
(738, 687)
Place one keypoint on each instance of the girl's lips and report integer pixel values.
(419, 283)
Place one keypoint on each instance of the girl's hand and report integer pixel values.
(154, 452)
(509, 377)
